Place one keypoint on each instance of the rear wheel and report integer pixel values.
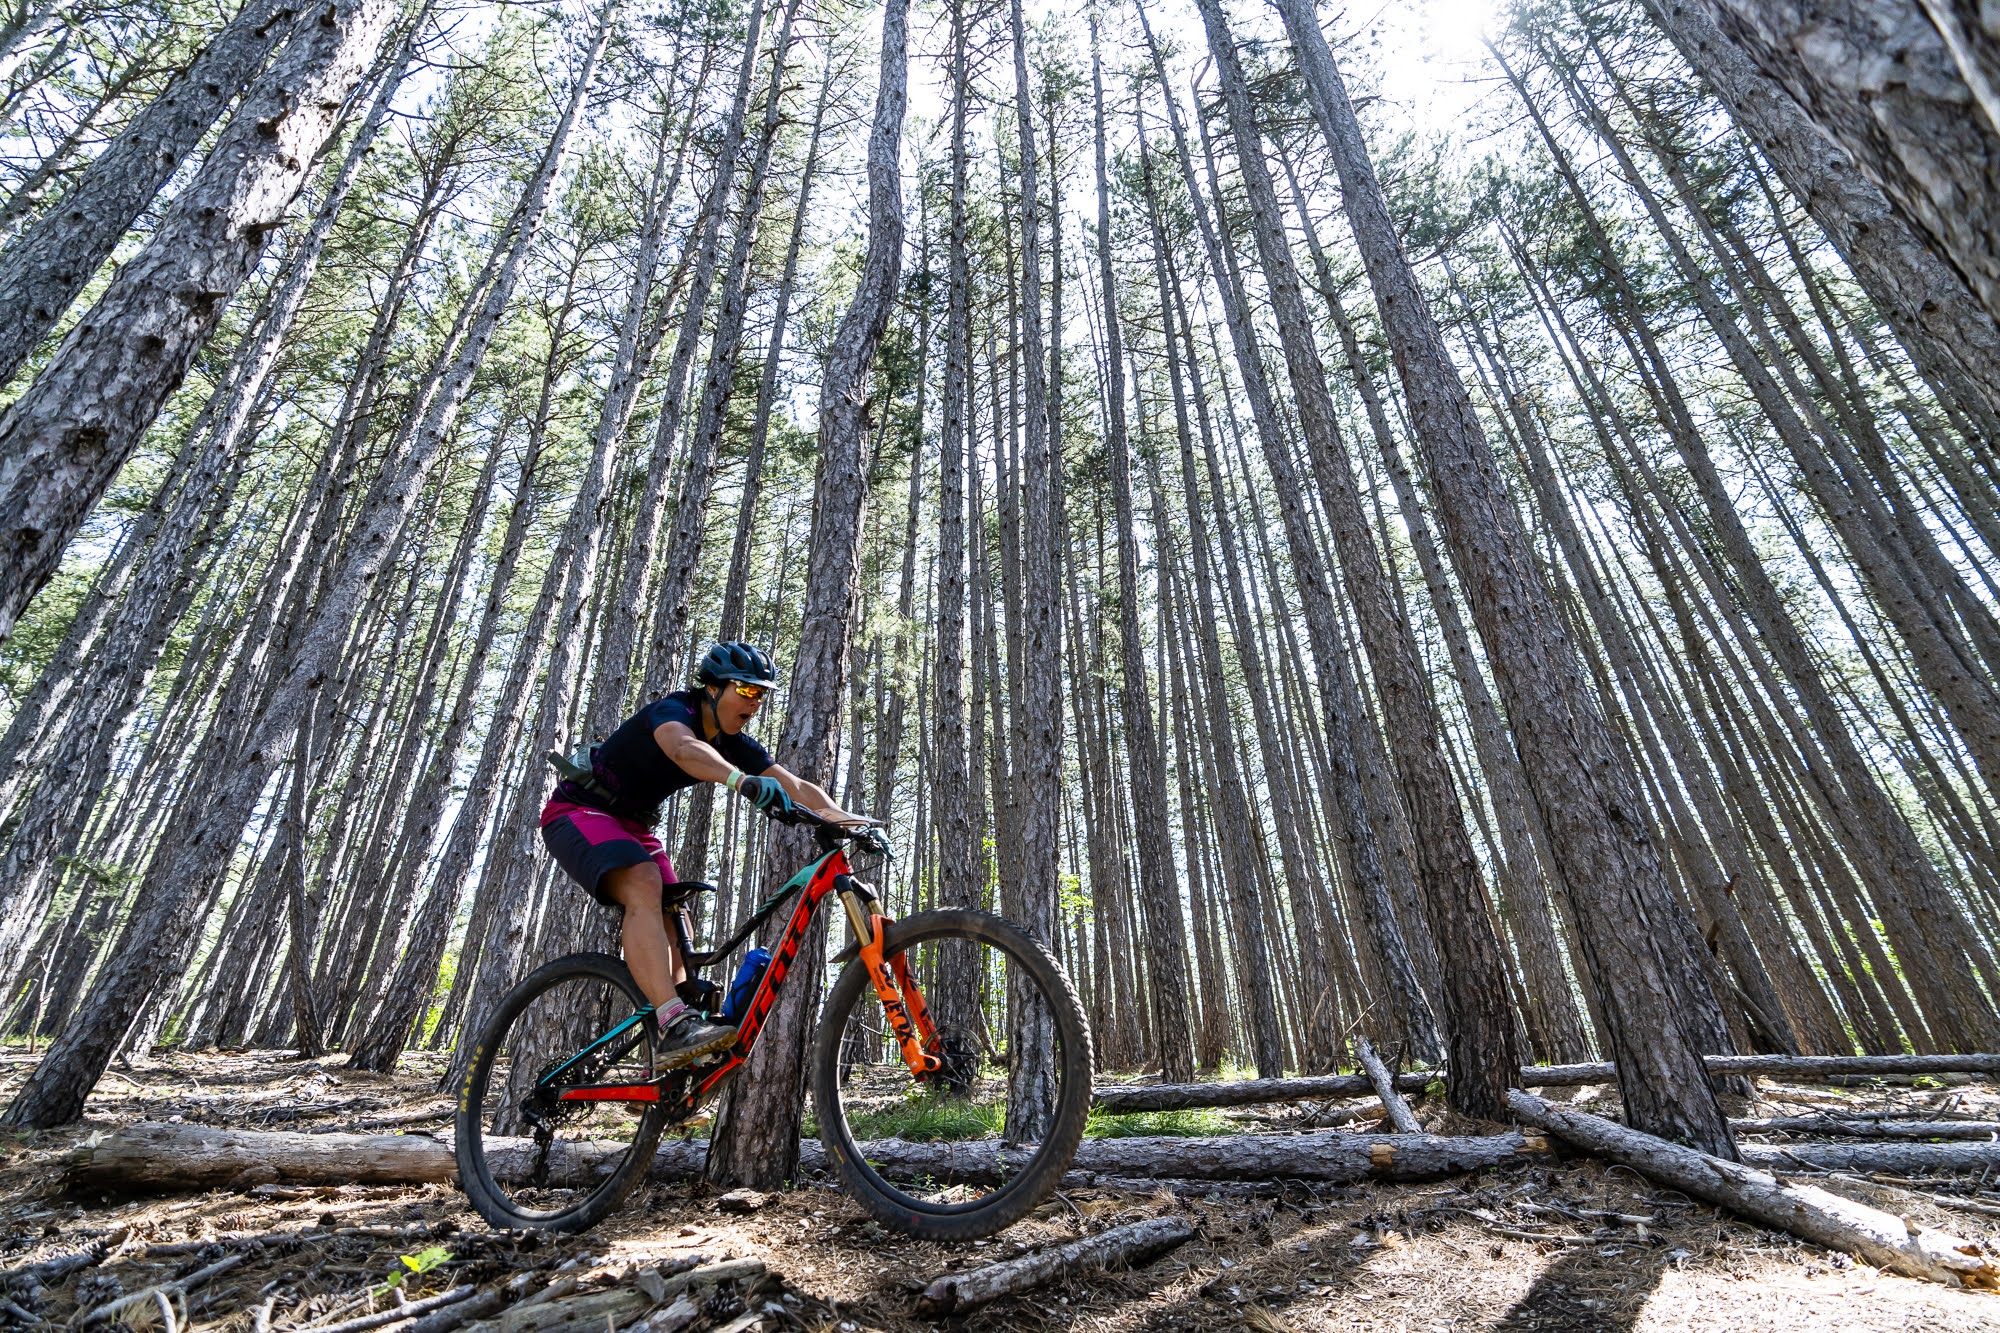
(531, 1151)
(972, 1146)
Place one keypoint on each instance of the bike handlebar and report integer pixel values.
(826, 828)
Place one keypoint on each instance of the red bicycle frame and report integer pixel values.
(902, 1002)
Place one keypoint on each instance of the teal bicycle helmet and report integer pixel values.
(737, 661)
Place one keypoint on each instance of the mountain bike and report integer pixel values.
(950, 1070)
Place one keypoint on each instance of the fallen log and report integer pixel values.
(1120, 1247)
(1817, 1215)
(62, 1265)
(490, 1301)
(150, 1156)
(1401, 1118)
(1870, 1127)
(616, 1306)
(1785, 1066)
(1330, 1116)
(174, 1157)
(1895, 1159)
(1903, 1187)
(669, 1319)
(1327, 1155)
(1121, 1099)
(375, 1124)
(397, 1314)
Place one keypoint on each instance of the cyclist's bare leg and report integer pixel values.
(649, 949)
(656, 965)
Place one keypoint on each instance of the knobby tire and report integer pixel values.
(1024, 1192)
(475, 1172)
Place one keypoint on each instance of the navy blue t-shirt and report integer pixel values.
(631, 763)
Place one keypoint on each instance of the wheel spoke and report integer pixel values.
(537, 1158)
(968, 1143)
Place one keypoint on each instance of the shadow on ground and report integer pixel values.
(1588, 1288)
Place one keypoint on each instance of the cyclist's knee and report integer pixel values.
(635, 888)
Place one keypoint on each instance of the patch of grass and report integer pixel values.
(930, 1120)
(1161, 1124)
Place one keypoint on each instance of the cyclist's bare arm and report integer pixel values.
(698, 759)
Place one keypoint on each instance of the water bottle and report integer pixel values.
(748, 974)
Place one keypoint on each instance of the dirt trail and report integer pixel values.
(1548, 1249)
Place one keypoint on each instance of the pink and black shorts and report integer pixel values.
(588, 843)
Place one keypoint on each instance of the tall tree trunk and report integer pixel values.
(685, 538)
(1230, 790)
(1166, 939)
(1345, 716)
(1479, 1023)
(955, 996)
(298, 912)
(736, 585)
(50, 263)
(756, 1143)
(1037, 768)
(621, 632)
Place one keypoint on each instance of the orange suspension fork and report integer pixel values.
(901, 1001)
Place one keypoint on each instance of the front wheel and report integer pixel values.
(972, 1145)
(554, 1123)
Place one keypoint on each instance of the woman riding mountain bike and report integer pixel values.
(598, 821)
(950, 1073)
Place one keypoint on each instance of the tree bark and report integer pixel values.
(1870, 1127)
(1882, 79)
(1160, 908)
(51, 262)
(1894, 1159)
(756, 1141)
(1400, 1117)
(1952, 339)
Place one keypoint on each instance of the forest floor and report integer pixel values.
(1515, 1250)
